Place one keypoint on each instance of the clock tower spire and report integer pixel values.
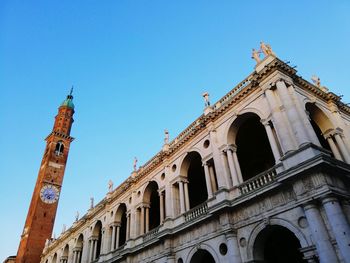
(43, 206)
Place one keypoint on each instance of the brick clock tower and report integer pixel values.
(43, 206)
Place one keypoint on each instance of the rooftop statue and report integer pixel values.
(317, 82)
(256, 55)
(166, 136)
(206, 99)
(91, 202)
(110, 186)
(135, 164)
(266, 49)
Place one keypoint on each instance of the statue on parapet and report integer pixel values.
(206, 99)
(110, 186)
(135, 164)
(256, 55)
(91, 202)
(166, 136)
(77, 216)
(266, 49)
(317, 82)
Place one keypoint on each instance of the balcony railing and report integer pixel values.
(258, 181)
(150, 234)
(197, 211)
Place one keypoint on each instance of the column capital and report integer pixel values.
(231, 147)
(329, 198)
(205, 163)
(115, 224)
(310, 205)
(265, 122)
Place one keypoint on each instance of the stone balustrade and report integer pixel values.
(258, 181)
(197, 211)
(150, 234)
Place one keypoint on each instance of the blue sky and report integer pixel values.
(138, 67)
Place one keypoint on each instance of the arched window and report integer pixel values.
(59, 148)
(97, 240)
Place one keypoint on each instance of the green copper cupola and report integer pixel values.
(68, 102)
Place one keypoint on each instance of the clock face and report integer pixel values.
(49, 194)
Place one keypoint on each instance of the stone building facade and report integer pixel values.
(262, 175)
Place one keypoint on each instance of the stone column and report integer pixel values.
(207, 180)
(74, 256)
(293, 116)
(187, 198)
(169, 197)
(222, 176)
(113, 238)
(340, 226)
(272, 140)
(234, 175)
(233, 248)
(236, 162)
(319, 233)
(161, 204)
(212, 178)
(79, 252)
(342, 148)
(127, 226)
(182, 201)
(95, 249)
(304, 116)
(91, 250)
(142, 220)
(85, 252)
(282, 126)
(147, 218)
(117, 236)
(334, 148)
(224, 164)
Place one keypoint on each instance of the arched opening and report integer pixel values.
(79, 247)
(275, 244)
(54, 259)
(202, 256)
(151, 197)
(64, 257)
(320, 123)
(97, 234)
(192, 168)
(121, 219)
(253, 147)
(59, 148)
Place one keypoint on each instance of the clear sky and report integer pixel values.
(138, 67)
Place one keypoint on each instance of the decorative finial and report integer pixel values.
(76, 216)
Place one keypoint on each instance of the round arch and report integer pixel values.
(202, 247)
(231, 127)
(274, 222)
(151, 198)
(192, 168)
(253, 147)
(322, 120)
(80, 241)
(184, 164)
